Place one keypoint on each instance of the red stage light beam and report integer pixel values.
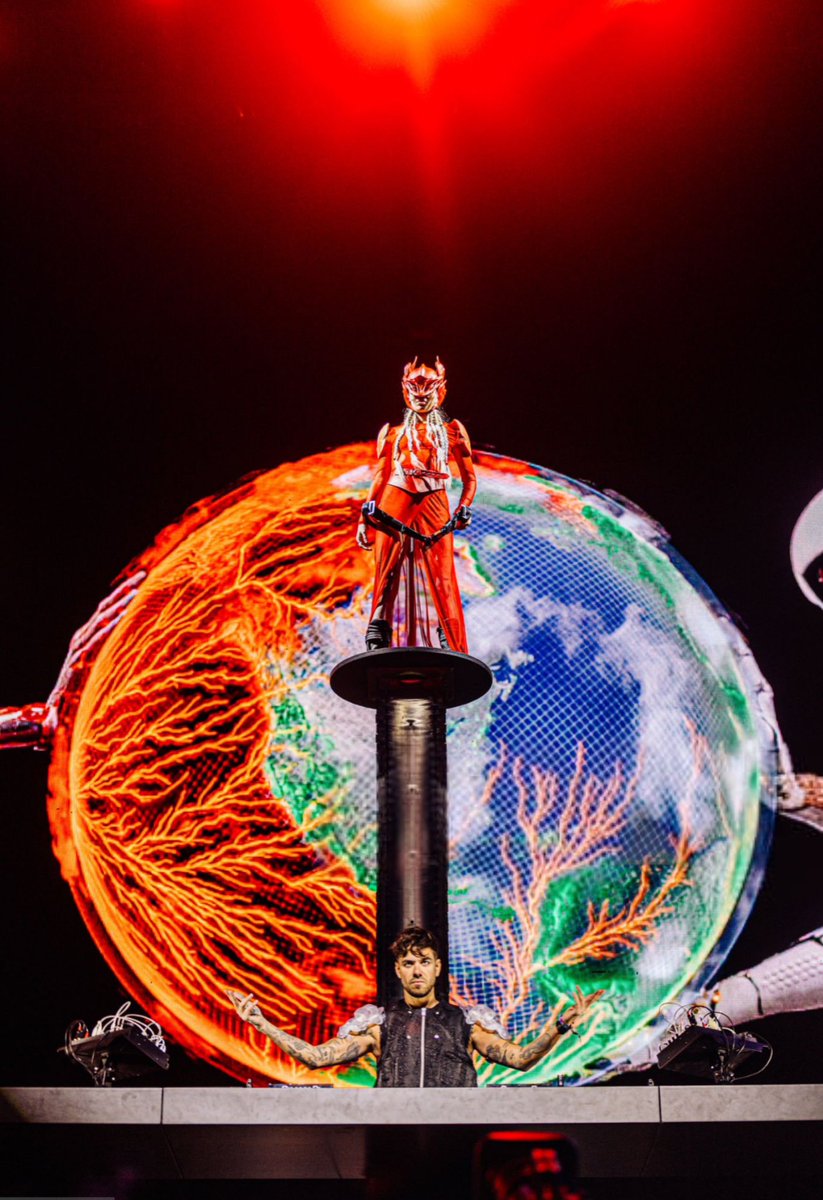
(412, 8)
(416, 33)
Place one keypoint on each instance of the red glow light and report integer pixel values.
(473, 116)
(414, 32)
(413, 8)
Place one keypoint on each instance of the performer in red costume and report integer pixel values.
(408, 508)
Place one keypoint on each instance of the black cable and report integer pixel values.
(760, 1011)
(759, 1071)
(76, 1030)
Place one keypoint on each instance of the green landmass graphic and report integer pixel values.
(306, 778)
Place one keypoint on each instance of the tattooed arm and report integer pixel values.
(508, 1054)
(327, 1054)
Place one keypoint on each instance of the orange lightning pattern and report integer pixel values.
(636, 923)
(592, 816)
(192, 877)
(215, 831)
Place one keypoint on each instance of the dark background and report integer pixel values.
(227, 228)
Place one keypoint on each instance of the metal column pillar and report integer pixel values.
(411, 689)
(413, 860)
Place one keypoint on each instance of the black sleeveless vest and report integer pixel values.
(425, 1047)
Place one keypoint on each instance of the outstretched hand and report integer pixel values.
(581, 1006)
(247, 1008)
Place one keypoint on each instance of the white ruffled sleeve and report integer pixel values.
(481, 1014)
(368, 1015)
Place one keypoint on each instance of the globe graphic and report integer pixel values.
(611, 799)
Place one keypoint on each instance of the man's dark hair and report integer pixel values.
(414, 938)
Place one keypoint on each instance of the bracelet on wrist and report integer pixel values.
(564, 1027)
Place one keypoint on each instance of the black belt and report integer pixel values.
(375, 517)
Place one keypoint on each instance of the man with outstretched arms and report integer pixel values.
(418, 1039)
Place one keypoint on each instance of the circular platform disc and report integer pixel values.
(412, 672)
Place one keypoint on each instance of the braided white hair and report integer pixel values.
(438, 436)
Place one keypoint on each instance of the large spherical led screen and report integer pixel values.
(610, 801)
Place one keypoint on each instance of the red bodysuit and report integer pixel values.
(410, 485)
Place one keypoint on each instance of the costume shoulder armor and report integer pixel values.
(460, 433)
(381, 438)
(368, 1014)
(481, 1014)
